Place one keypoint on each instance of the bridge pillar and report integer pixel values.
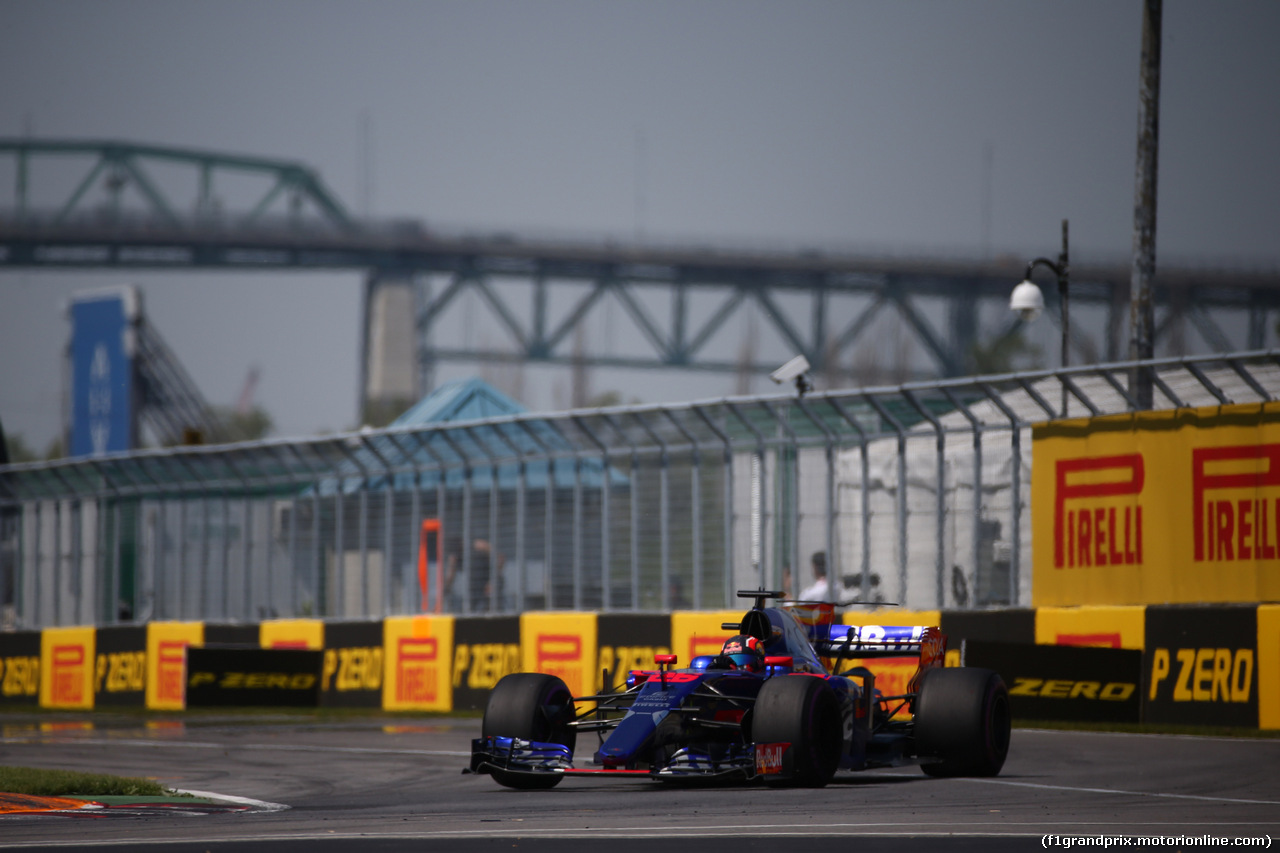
(388, 363)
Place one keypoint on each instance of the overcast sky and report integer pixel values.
(780, 124)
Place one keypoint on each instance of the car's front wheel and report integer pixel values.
(530, 706)
(803, 712)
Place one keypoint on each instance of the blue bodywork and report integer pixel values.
(696, 722)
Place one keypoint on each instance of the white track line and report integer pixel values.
(256, 805)
(1203, 797)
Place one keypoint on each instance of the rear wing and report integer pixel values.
(878, 641)
(926, 642)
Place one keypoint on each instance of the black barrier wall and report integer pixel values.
(120, 666)
(1201, 665)
(220, 677)
(352, 671)
(1064, 682)
(232, 635)
(485, 648)
(20, 668)
(630, 641)
(992, 626)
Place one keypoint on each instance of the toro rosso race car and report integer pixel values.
(774, 705)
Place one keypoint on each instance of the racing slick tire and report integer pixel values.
(531, 706)
(962, 722)
(803, 711)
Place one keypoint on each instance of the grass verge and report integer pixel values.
(61, 783)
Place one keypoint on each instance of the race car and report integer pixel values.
(775, 705)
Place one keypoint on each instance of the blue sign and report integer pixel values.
(103, 339)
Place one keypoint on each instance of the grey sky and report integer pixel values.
(787, 124)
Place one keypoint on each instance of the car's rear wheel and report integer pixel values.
(530, 706)
(802, 711)
(962, 722)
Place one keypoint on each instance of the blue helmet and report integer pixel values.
(743, 652)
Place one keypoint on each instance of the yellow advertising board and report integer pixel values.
(1118, 627)
(417, 651)
(1269, 666)
(167, 662)
(66, 667)
(694, 633)
(1178, 506)
(291, 634)
(561, 644)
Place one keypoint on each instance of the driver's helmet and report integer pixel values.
(744, 652)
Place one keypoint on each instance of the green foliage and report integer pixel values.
(56, 783)
(20, 451)
(379, 413)
(241, 426)
(1005, 355)
(607, 399)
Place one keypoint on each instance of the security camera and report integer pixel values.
(793, 369)
(1027, 301)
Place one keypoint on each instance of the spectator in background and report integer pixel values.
(486, 576)
(484, 580)
(818, 590)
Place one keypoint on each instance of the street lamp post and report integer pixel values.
(1028, 301)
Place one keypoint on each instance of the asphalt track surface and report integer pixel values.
(376, 785)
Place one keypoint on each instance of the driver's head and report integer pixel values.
(745, 652)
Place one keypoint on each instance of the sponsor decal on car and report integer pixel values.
(769, 758)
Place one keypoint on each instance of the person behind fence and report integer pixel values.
(481, 581)
(817, 591)
(486, 576)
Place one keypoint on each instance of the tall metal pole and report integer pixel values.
(1141, 314)
(1063, 271)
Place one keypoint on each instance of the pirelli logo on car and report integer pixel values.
(1176, 506)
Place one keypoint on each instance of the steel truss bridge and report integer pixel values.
(136, 206)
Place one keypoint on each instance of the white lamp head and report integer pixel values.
(1027, 300)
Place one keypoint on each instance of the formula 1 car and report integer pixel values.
(793, 718)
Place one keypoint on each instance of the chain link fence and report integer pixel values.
(916, 494)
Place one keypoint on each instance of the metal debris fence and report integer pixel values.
(918, 494)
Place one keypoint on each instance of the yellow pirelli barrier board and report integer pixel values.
(697, 633)
(561, 644)
(1158, 507)
(66, 667)
(1120, 627)
(291, 634)
(167, 663)
(1269, 666)
(417, 651)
